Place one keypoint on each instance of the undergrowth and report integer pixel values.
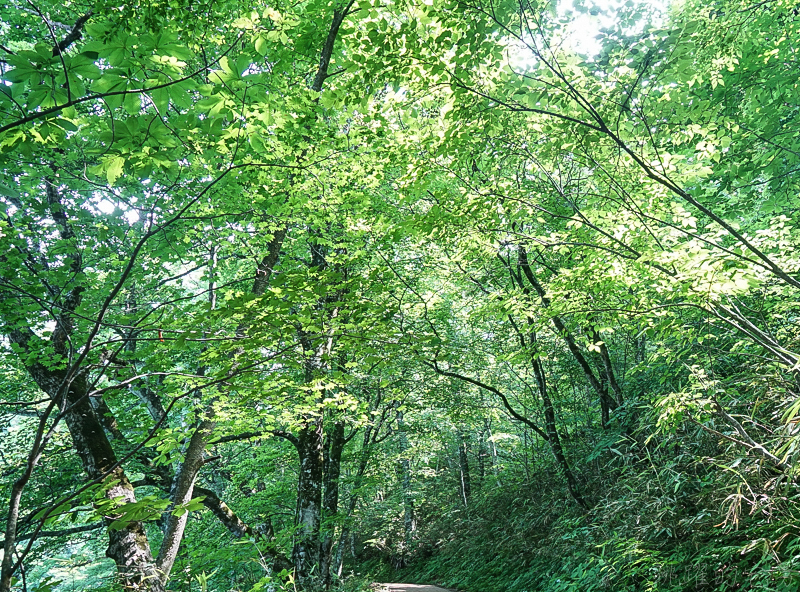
(665, 517)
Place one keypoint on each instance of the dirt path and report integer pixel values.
(408, 588)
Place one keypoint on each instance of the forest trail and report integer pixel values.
(409, 588)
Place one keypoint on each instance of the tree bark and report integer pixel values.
(224, 514)
(181, 494)
(463, 469)
(268, 263)
(606, 366)
(334, 446)
(127, 546)
(306, 552)
(552, 433)
(409, 519)
(106, 418)
(607, 403)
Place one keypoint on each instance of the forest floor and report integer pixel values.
(408, 588)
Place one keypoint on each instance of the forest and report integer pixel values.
(499, 295)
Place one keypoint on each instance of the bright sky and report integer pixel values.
(588, 17)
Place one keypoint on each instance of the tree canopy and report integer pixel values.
(502, 295)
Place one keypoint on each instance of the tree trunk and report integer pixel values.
(306, 552)
(309, 442)
(463, 469)
(606, 367)
(9, 543)
(128, 546)
(180, 494)
(483, 454)
(607, 403)
(334, 446)
(409, 520)
(106, 418)
(552, 433)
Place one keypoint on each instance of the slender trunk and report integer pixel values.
(492, 451)
(552, 437)
(552, 433)
(106, 418)
(482, 454)
(409, 520)
(268, 263)
(339, 560)
(223, 513)
(619, 399)
(607, 403)
(186, 474)
(463, 469)
(605, 411)
(607, 367)
(641, 347)
(8, 568)
(525, 448)
(181, 494)
(151, 400)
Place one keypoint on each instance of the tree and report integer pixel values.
(319, 262)
(130, 156)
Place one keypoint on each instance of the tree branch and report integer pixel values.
(74, 35)
(491, 389)
(36, 115)
(238, 437)
(225, 515)
(327, 50)
(57, 533)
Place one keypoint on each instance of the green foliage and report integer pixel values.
(543, 298)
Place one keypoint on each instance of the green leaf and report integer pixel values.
(261, 46)
(114, 167)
